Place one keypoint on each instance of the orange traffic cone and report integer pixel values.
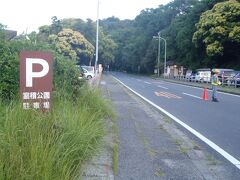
(205, 94)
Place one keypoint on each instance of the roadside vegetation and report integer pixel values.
(53, 145)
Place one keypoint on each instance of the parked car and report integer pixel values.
(81, 74)
(188, 74)
(88, 74)
(230, 78)
(192, 77)
(236, 80)
(203, 75)
(89, 68)
(226, 74)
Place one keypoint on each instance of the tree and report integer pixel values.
(218, 32)
(56, 25)
(218, 28)
(106, 49)
(106, 45)
(74, 45)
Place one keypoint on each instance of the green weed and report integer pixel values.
(115, 150)
(54, 145)
(211, 160)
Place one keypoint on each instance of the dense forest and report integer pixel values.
(199, 34)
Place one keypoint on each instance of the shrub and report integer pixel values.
(65, 73)
(9, 71)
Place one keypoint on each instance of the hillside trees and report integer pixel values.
(121, 31)
(87, 29)
(176, 22)
(179, 34)
(106, 50)
(136, 48)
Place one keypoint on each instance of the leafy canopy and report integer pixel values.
(72, 44)
(218, 27)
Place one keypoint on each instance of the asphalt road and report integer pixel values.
(219, 122)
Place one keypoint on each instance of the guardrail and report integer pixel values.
(224, 82)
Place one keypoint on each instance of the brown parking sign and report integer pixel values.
(36, 80)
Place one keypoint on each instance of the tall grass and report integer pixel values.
(51, 145)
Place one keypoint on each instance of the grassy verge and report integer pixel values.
(51, 145)
(115, 150)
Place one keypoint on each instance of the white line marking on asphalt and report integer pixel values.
(225, 154)
(192, 95)
(147, 82)
(162, 87)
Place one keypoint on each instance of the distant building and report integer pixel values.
(174, 70)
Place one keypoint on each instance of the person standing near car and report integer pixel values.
(215, 83)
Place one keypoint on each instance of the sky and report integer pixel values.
(28, 15)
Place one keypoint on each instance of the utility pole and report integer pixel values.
(165, 56)
(159, 48)
(96, 61)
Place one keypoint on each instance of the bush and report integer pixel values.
(9, 71)
(65, 73)
(65, 77)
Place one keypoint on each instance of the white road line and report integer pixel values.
(147, 82)
(192, 95)
(225, 154)
(162, 87)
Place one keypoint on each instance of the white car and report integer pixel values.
(88, 74)
(203, 76)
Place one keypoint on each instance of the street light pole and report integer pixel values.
(96, 61)
(159, 54)
(159, 48)
(165, 56)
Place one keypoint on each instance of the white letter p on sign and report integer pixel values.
(29, 70)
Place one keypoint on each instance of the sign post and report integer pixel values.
(36, 80)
